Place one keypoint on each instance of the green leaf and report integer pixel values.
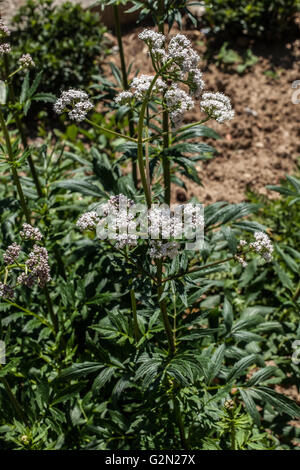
(242, 366)
(79, 186)
(250, 406)
(261, 375)
(281, 403)
(215, 363)
(227, 314)
(80, 370)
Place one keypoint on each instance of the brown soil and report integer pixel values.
(262, 144)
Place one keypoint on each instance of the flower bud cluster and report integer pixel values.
(26, 61)
(30, 233)
(12, 253)
(39, 270)
(36, 267)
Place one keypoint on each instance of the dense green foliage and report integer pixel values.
(64, 41)
(254, 17)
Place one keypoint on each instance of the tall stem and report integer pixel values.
(180, 424)
(13, 169)
(134, 314)
(24, 205)
(124, 80)
(140, 134)
(163, 310)
(166, 161)
(16, 405)
(21, 130)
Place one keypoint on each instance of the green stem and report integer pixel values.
(21, 131)
(166, 160)
(180, 424)
(160, 17)
(125, 81)
(140, 134)
(134, 314)
(14, 171)
(16, 405)
(29, 312)
(163, 310)
(189, 126)
(109, 131)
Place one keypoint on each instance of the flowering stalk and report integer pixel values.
(13, 169)
(140, 133)
(163, 309)
(21, 130)
(125, 80)
(165, 123)
(30, 313)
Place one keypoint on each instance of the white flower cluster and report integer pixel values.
(116, 213)
(153, 39)
(178, 102)
(123, 97)
(118, 221)
(262, 245)
(4, 31)
(180, 61)
(39, 270)
(31, 233)
(5, 48)
(12, 253)
(88, 220)
(77, 100)
(26, 61)
(183, 55)
(217, 106)
(6, 291)
(140, 85)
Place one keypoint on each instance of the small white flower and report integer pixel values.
(5, 48)
(196, 83)
(88, 220)
(140, 85)
(217, 106)
(152, 39)
(30, 233)
(182, 53)
(77, 100)
(262, 245)
(123, 97)
(26, 61)
(4, 29)
(178, 102)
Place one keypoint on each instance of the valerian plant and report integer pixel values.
(133, 341)
(165, 282)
